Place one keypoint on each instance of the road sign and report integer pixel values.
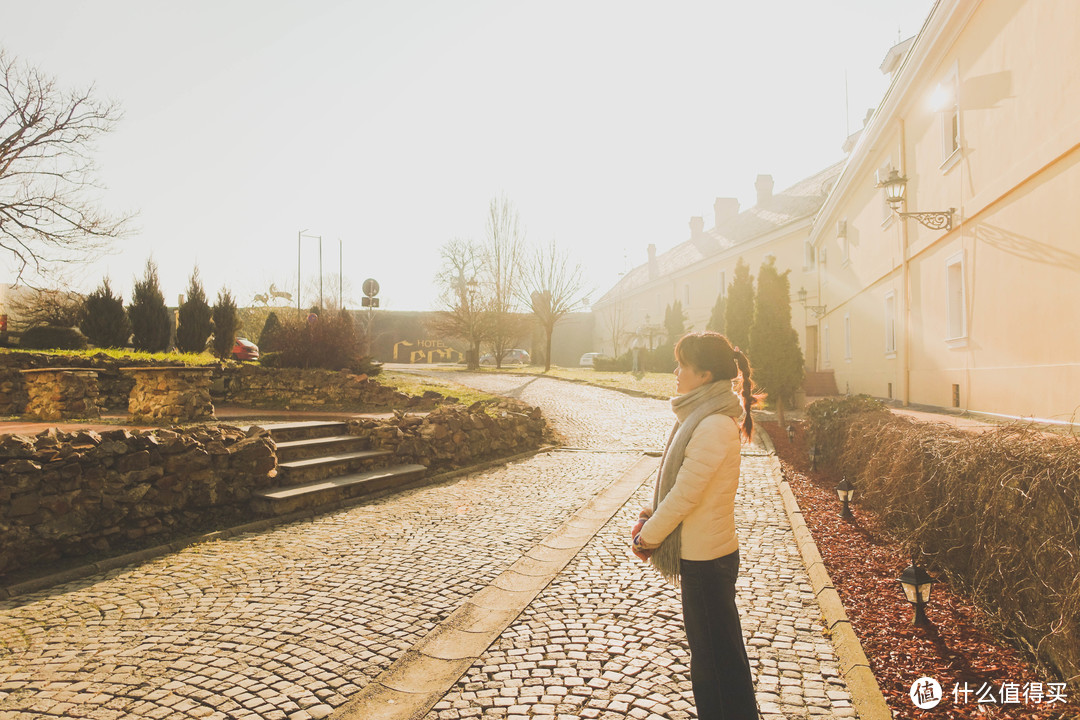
(371, 288)
(369, 302)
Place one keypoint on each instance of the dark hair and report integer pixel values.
(712, 352)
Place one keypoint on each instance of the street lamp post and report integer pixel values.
(299, 235)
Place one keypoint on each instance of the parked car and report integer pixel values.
(517, 356)
(588, 359)
(244, 349)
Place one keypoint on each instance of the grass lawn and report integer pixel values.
(658, 385)
(411, 384)
(203, 358)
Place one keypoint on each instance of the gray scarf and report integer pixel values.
(690, 409)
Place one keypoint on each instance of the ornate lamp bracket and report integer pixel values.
(933, 220)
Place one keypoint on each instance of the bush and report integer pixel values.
(828, 418)
(659, 359)
(226, 324)
(150, 322)
(194, 318)
(332, 344)
(267, 338)
(996, 511)
(51, 337)
(104, 322)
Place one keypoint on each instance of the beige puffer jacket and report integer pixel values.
(703, 496)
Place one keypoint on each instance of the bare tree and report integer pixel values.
(503, 260)
(464, 311)
(49, 306)
(553, 289)
(47, 214)
(615, 322)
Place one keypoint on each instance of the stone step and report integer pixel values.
(319, 446)
(288, 432)
(313, 469)
(286, 499)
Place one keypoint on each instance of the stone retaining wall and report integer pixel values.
(454, 436)
(64, 494)
(113, 387)
(244, 384)
(256, 386)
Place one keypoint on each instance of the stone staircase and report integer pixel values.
(320, 463)
(820, 384)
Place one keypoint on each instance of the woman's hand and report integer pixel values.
(642, 551)
(646, 512)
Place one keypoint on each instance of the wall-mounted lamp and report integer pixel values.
(895, 186)
(817, 310)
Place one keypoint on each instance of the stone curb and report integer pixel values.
(145, 555)
(866, 694)
(416, 681)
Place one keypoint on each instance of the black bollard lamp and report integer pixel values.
(791, 433)
(846, 491)
(916, 583)
(813, 457)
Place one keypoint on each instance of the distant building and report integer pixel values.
(697, 270)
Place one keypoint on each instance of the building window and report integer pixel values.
(808, 255)
(890, 323)
(686, 295)
(946, 99)
(847, 336)
(826, 355)
(955, 298)
(842, 237)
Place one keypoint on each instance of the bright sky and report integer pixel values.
(390, 125)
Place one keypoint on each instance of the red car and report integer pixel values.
(244, 349)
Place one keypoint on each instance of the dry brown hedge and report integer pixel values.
(997, 511)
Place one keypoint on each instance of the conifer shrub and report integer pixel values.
(195, 318)
(226, 323)
(150, 322)
(104, 321)
(52, 337)
(267, 338)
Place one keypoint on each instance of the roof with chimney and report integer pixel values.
(801, 200)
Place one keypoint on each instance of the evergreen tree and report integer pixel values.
(271, 327)
(718, 320)
(150, 323)
(675, 322)
(739, 313)
(194, 324)
(226, 323)
(104, 321)
(774, 344)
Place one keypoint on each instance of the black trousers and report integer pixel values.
(719, 668)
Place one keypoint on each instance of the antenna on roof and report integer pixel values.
(847, 113)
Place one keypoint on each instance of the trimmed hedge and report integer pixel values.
(51, 337)
(996, 511)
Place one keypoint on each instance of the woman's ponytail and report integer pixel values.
(747, 393)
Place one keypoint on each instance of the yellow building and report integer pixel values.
(983, 120)
(697, 270)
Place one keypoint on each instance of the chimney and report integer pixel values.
(654, 268)
(697, 227)
(764, 186)
(724, 209)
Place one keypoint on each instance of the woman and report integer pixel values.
(689, 530)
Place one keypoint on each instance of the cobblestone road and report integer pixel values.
(289, 623)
